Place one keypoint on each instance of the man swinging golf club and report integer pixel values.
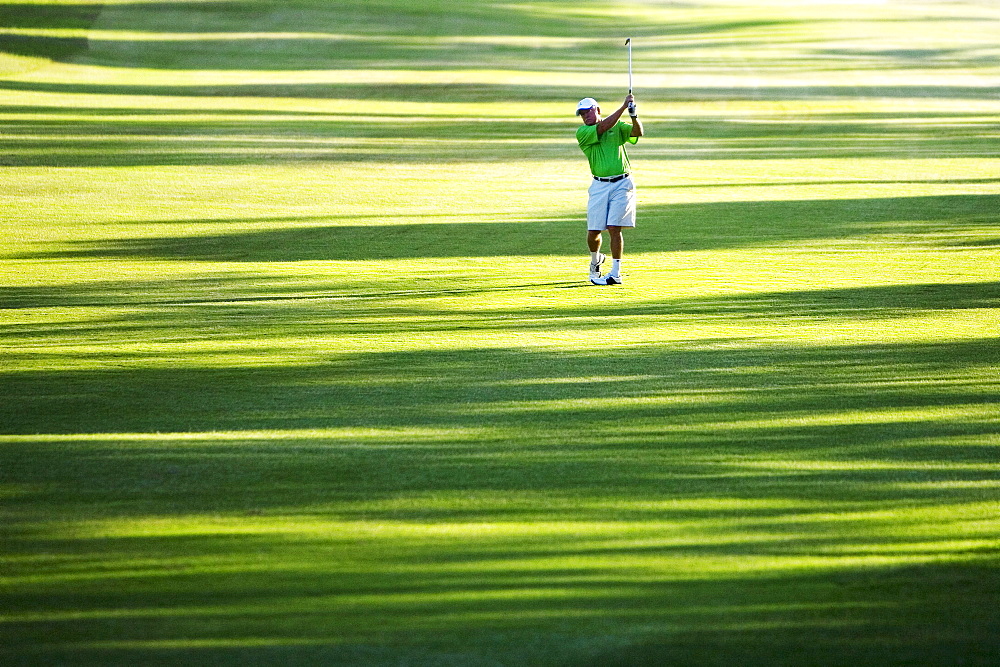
(611, 204)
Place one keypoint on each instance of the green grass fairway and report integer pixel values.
(299, 363)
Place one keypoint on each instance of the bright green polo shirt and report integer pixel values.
(606, 153)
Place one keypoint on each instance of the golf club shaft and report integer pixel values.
(628, 43)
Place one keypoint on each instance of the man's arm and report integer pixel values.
(637, 130)
(613, 119)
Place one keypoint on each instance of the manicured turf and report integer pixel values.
(300, 364)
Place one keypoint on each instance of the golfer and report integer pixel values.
(612, 193)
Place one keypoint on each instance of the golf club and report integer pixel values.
(628, 43)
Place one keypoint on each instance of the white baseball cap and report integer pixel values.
(586, 103)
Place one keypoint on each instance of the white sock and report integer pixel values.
(616, 267)
(594, 256)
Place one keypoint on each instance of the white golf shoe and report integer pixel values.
(607, 280)
(595, 266)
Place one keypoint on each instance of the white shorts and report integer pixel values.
(611, 204)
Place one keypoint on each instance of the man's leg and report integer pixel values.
(596, 258)
(621, 209)
(617, 245)
(594, 240)
(597, 219)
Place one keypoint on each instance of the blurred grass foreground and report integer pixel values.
(300, 364)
